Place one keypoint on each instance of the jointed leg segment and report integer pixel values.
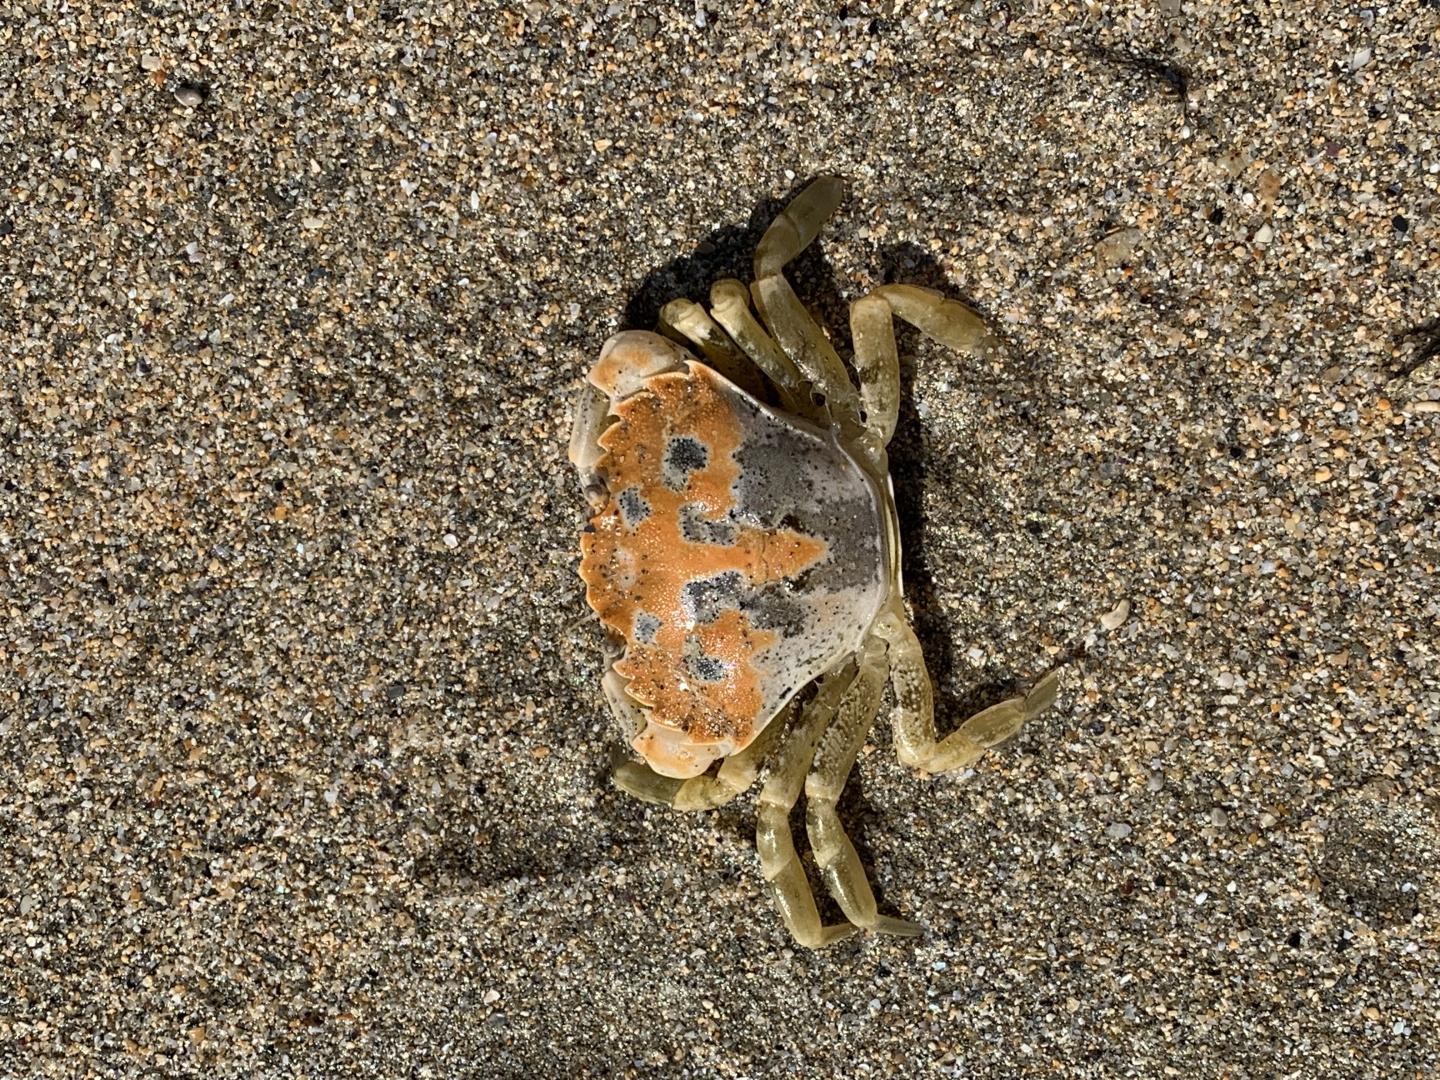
(789, 322)
(839, 863)
(730, 305)
(779, 861)
(686, 320)
(914, 717)
(734, 777)
(591, 414)
(940, 318)
(877, 364)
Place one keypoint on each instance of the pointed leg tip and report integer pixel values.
(832, 935)
(1042, 695)
(893, 927)
(830, 185)
(820, 937)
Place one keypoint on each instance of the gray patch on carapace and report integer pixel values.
(646, 627)
(633, 507)
(684, 454)
(793, 478)
(706, 598)
(696, 528)
(708, 669)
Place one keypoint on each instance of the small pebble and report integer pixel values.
(1116, 616)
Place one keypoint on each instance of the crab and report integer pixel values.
(744, 546)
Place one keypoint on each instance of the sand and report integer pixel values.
(303, 761)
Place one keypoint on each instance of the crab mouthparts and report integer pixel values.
(672, 753)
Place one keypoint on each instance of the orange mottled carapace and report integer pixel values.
(669, 532)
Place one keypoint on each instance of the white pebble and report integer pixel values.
(1114, 619)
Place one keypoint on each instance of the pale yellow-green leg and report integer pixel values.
(783, 314)
(938, 317)
(914, 715)
(779, 861)
(734, 777)
(685, 320)
(839, 862)
(798, 224)
(877, 364)
(730, 305)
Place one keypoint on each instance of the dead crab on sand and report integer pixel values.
(742, 550)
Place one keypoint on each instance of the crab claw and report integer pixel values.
(630, 357)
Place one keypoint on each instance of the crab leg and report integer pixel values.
(730, 305)
(798, 224)
(788, 321)
(877, 364)
(629, 717)
(778, 860)
(914, 715)
(687, 319)
(839, 862)
(588, 418)
(938, 317)
(736, 774)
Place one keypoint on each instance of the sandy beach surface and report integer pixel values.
(303, 759)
